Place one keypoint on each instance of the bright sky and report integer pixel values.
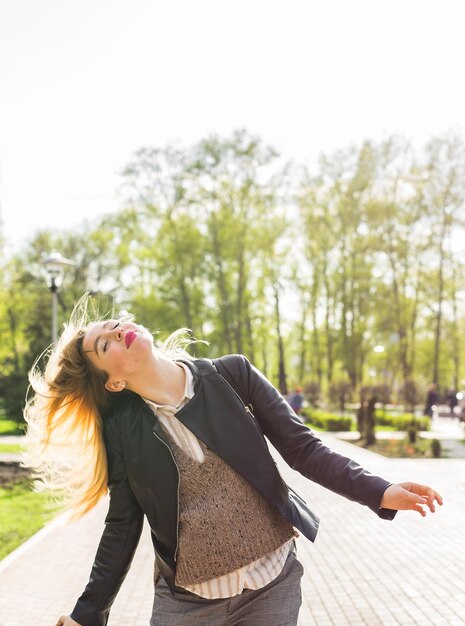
(83, 84)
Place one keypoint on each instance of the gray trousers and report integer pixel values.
(276, 604)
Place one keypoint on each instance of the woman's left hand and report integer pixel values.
(410, 497)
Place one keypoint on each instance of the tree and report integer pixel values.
(442, 196)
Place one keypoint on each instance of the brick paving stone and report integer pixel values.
(362, 571)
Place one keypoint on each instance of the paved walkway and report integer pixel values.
(362, 571)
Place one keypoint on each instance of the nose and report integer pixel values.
(118, 333)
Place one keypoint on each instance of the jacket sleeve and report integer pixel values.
(123, 527)
(305, 452)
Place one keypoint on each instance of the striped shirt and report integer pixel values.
(252, 576)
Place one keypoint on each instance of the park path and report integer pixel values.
(362, 571)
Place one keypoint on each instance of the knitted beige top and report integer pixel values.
(224, 523)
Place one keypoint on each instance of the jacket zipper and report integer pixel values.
(179, 480)
(247, 407)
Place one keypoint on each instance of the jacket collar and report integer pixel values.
(196, 369)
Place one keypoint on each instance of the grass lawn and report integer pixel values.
(11, 448)
(22, 513)
(10, 427)
(400, 448)
(377, 428)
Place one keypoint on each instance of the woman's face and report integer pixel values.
(119, 349)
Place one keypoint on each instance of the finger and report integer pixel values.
(421, 490)
(420, 509)
(432, 496)
(425, 491)
(418, 501)
(429, 495)
(415, 499)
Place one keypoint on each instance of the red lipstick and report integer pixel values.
(130, 337)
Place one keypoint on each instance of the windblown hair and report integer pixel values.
(64, 444)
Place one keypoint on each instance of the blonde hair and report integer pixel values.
(64, 443)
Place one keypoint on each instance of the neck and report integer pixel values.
(162, 381)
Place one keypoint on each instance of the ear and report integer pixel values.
(115, 385)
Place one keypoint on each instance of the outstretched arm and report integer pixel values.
(306, 453)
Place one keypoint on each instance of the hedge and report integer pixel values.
(327, 421)
(403, 421)
(334, 423)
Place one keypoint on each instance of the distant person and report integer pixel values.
(296, 400)
(432, 398)
(461, 405)
(181, 441)
(451, 399)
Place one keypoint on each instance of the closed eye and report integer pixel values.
(106, 342)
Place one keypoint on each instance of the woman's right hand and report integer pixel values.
(66, 620)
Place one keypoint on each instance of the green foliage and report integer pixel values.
(332, 422)
(327, 421)
(10, 448)
(13, 389)
(402, 422)
(11, 427)
(214, 237)
(400, 448)
(22, 513)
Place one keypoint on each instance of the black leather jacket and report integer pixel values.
(233, 408)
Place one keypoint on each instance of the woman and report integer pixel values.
(181, 441)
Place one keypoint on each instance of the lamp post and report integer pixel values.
(55, 265)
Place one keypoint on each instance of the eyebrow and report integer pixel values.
(97, 339)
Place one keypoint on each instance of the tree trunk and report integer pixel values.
(302, 346)
(14, 348)
(437, 330)
(224, 305)
(316, 359)
(250, 335)
(329, 332)
(401, 329)
(370, 437)
(282, 384)
(455, 337)
(239, 297)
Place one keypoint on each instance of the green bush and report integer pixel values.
(334, 423)
(327, 421)
(10, 427)
(12, 393)
(402, 422)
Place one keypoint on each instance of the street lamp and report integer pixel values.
(55, 265)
